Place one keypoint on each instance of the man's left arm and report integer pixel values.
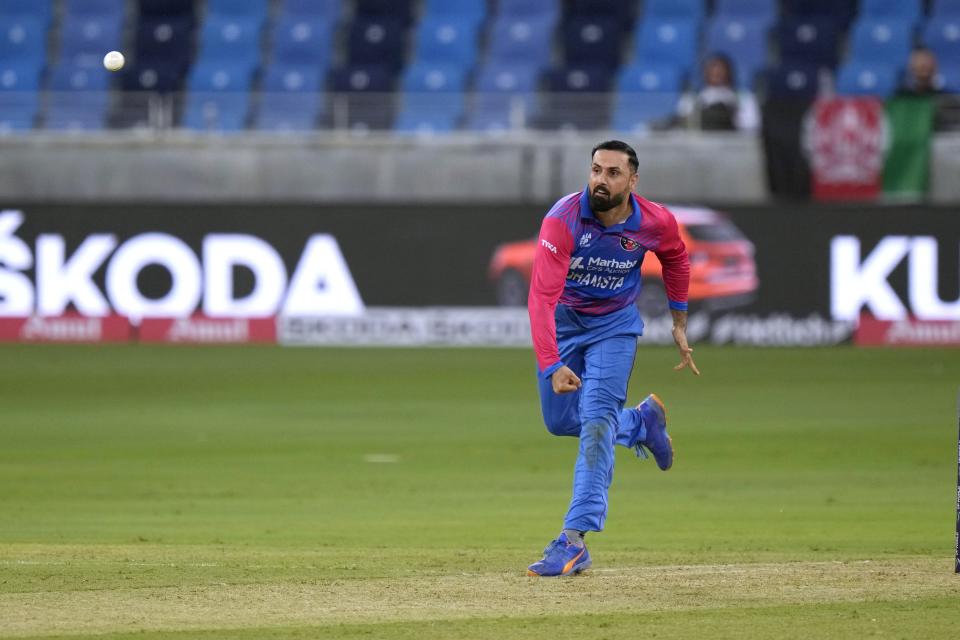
(676, 280)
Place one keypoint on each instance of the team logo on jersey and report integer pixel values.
(585, 239)
(628, 244)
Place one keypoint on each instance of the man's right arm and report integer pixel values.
(550, 267)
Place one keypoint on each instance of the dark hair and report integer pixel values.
(622, 147)
(726, 61)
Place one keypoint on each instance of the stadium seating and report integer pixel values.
(164, 47)
(744, 42)
(667, 41)
(622, 13)
(19, 95)
(838, 12)
(78, 98)
(228, 39)
(218, 96)
(885, 41)
(94, 8)
(578, 98)
(861, 78)
(647, 95)
(312, 9)
(238, 9)
(377, 40)
(39, 10)
(447, 39)
(940, 9)
(674, 10)
(592, 41)
(527, 39)
(529, 9)
(166, 8)
(85, 38)
(942, 36)
(505, 96)
(300, 41)
(466, 11)
(433, 98)
(291, 99)
(792, 81)
(363, 105)
(761, 12)
(400, 10)
(907, 11)
(809, 41)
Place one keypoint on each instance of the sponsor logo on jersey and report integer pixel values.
(628, 244)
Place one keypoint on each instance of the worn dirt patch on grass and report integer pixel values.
(434, 597)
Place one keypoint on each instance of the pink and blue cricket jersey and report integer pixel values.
(595, 270)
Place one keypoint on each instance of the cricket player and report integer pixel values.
(585, 323)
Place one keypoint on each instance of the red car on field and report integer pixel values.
(723, 273)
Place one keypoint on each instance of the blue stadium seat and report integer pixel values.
(592, 41)
(312, 9)
(744, 42)
(425, 77)
(500, 89)
(646, 95)
(400, 10)
(85, 39)
(809, 41)
(527, 39)
(230, 39)
(760, 11)
(881, 41)
(623, 13)
(100, 9)
(578, 98)
(907, 10)
(78, 98)
(291, 99)
(238, 9)
(529, 9)
(218, 97)
(858, 78)
(40, 10)
(23, 40)
(942, 36)
(950, 77)
(19, 95)
(152, 75)
(945, 9)
(838, 12)
(667, 41)
(433, 98)
(674, 10)
(792, 80)
(377, 41)
(167, 8)
(472, 11)
(165, 42)
(303, 41)
(363, 99)
(447, 40)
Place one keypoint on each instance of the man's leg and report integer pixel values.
(561, 411)
(607, 367)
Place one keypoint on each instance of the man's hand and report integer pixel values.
(680, 337)
(564, 380)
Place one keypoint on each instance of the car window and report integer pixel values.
(717, 232)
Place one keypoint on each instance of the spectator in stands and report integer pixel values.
(718, 106)
(921, 76)
(921, 81)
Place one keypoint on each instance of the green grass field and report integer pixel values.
(161, 492)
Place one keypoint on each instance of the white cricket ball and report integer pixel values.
(113, 61)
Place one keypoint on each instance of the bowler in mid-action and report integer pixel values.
(585, 323)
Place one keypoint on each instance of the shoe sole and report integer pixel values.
(663, 410)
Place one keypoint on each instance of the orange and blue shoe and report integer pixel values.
(657, 439)
(561, 558)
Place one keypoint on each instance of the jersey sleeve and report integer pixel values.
(676, 265)
(550, 266)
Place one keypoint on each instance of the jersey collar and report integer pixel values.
(630, 224)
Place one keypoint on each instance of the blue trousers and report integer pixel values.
(601, 351)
